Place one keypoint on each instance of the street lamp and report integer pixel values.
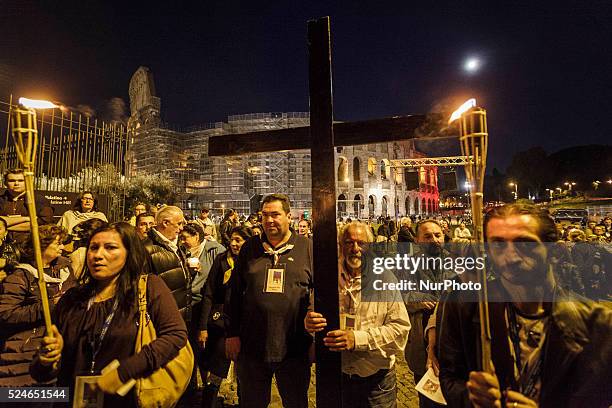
(550, 193)
(515, 185)
(569, 185)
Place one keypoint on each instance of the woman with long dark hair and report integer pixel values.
(97, 322)
(85, 207)
(212, 322)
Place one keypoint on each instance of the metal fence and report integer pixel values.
(76, 152)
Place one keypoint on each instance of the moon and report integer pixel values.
(472, 65)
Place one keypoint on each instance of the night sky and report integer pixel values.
(545, 78)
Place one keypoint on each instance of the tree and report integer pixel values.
(123, 193)
(531, 170)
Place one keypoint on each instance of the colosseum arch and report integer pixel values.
(407, 206)
(372, 167)
(342, 205)
(385, 169)
(343, 169)
(371, 205)
(357, 205)
(384, 206)
(356, 169)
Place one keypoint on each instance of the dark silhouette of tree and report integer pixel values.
(531, 170)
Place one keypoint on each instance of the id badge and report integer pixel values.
(84, 394)
(275, 279)
(347, 321)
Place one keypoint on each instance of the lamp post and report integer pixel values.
(515, 185)
(550, 193)
(569, 185)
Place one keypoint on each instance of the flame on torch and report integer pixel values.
(36, 103)
(470, 103)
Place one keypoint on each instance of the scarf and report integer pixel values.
(276, 252)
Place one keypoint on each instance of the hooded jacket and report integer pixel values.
(21, 318)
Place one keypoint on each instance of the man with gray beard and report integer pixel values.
(373, 329)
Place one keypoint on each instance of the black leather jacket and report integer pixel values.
(171, 267)
(577, 352)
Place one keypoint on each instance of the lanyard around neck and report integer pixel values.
(96, 346)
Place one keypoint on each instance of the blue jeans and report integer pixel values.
(378, 390)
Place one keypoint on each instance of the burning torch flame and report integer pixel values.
(37, 104)
(470, 103)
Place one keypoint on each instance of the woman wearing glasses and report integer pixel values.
(85, 207)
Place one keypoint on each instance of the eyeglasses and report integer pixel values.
(87, 199)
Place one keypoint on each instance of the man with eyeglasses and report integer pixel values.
(168, 258)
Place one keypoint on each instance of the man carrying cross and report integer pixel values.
(373, 328)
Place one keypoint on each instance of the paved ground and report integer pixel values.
(406, 395)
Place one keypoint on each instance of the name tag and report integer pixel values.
(347, 321)
(275, 279)
(84, 394)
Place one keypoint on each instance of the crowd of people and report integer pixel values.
(240, 292)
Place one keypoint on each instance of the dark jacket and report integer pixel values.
(9, 252)
(216, 291)
(20, 207)
(21, 319)
(577, 351)
(80, 325)
(171, 267)
(405, 234)
(416, 352)
(225, 230)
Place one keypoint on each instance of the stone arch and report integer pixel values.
(342, 205)
(357, 205)
(397, 176)
(343, 169)
(372, 167)
(371, 205)
(385, 169)
(356, 169)
(423, 206)
(384, 211)
(407, 206)
(416, 208)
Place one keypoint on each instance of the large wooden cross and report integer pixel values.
(322, 136)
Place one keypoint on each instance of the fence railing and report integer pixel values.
(75, 152)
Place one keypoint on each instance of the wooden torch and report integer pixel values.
(25, 136)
